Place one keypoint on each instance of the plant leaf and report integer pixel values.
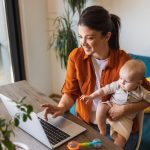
(76, 5)
(8, 144)
(24, 117)
(2, 122)
(22, 99)
(0, 146)
(29, 109)
(16, 122)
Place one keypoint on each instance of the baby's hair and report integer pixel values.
(137, 67)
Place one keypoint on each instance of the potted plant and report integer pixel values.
(7, 126)
(64, 38)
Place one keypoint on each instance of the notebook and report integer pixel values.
(51, 133)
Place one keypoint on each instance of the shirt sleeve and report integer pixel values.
(71, 85)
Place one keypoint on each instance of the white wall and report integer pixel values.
(135, 29)
(55, 8)
(43, 69)
(34, 22)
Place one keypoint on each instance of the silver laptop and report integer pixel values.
(52, 133)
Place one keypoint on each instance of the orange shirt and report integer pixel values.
(81, 79)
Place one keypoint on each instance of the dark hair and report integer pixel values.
(99, 19)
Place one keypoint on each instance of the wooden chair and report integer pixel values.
(140, 117)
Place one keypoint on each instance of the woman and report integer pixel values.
(96, 63)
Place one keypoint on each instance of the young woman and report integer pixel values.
(94, 64)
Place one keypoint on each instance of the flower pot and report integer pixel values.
(20, 146)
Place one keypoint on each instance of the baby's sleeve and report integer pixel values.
(111, 88)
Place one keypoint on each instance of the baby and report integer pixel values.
(127, 89)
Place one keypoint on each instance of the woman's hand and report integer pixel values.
(116, 112)
(54, 110)
(85, 98)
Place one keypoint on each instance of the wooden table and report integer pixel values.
(35, 98)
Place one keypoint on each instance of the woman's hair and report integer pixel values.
(99, 19)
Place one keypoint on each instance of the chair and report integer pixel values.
(140, 117)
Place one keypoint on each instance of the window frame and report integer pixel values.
(15, 39)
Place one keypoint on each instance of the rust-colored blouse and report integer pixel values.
(81, 79)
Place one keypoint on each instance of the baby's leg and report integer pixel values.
(101, 114)
(120, 141)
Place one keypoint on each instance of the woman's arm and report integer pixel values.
(117, 111)
(66, 102)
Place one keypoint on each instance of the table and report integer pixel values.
(35, 98)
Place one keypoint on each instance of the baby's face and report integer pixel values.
(127, 81)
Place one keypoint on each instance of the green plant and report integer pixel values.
(7, 127)
(64, 38)
(76, 5)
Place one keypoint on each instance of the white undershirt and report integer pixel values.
(99, 65)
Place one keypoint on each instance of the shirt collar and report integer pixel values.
(111, 59)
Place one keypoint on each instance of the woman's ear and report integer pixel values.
(108, 35)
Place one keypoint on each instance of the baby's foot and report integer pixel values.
(103, 132)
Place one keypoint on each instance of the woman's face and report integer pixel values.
(93, 42)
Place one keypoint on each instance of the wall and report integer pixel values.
(34, 22)
(55, 8)
(135, 29)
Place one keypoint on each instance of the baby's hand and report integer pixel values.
(85, 98)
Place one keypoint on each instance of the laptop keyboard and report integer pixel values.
(54, 134)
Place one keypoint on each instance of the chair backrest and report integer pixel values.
(140, 117)
(146, 60)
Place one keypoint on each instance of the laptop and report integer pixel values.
(51, 133)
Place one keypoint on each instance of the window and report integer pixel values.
(11, 50)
